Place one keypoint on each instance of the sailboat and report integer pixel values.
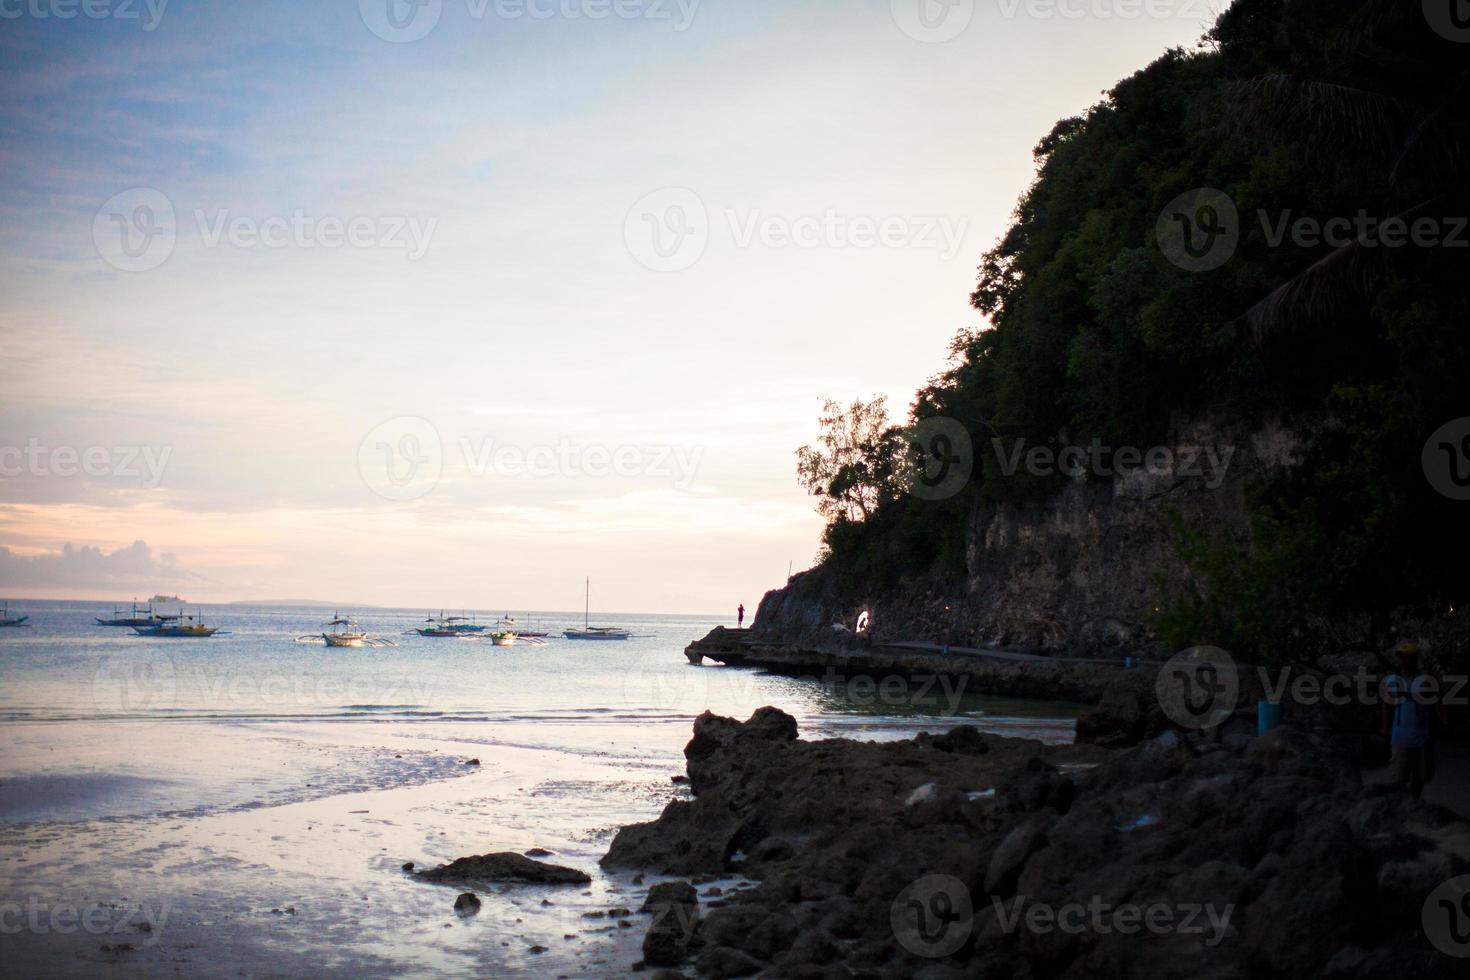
(590, 632)
(5, 619)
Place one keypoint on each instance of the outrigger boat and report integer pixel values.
(149, 617)
(508, 624)
(345, 633)
(445, 632)
(6, 620)
(590, 632)
(450, 627)
(187, 627)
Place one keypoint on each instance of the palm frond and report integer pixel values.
(1332, 287)
(1320, 112)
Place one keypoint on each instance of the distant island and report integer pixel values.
(307, 603)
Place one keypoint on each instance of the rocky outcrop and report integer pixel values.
(968, 854)
(1075, 572)
(507, 866)
(674, 906)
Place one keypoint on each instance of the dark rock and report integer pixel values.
(670, 893)
(1011, 855)
(473, 762)
(675, 909)
(1036, 786)
(963, 739)
(813, 947)
(761, 933)
(504, 866)
(467, 904)
(723, 962)
(773, 850)
(539, 852)
(1117, 721)
(408, 866)
(1321, 877)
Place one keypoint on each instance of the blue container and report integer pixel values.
(1268, 716)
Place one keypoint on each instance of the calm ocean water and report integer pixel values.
(209, 786)
(65, 667)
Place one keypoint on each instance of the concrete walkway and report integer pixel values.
(925, 646)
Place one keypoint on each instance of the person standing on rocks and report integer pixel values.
(1408, 715)
(740, 617)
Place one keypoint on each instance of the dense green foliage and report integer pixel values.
(1291, 108)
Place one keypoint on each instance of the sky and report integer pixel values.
(451, 303)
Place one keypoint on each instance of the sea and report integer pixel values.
(244, 805)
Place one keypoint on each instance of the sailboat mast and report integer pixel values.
(587, 605)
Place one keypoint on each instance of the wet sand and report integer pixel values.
(282, 845)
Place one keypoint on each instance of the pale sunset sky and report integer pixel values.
(452, 304)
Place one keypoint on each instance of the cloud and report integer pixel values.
(135, 567)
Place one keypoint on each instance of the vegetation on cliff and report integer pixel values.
(1323, 110)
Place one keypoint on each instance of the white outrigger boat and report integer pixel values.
(590, 632)
(345, 633)
(7, 620)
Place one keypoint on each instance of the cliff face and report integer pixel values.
(1073, 573)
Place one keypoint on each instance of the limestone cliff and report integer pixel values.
(1075, 572)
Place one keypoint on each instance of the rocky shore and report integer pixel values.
(969, 855)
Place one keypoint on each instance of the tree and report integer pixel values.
(853, 467)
